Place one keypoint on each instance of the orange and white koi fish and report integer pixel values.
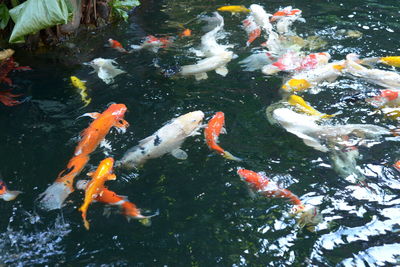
(6, 194)
(102, 174)
(386, 98)
(128, 209)
(91, 137)
(214, 128)
(252, 29)
(295, 61)
(285, 12)
(153, 43)
(307, 79)
(388, 79)
(117, 45)
(397, 165)
(308, 215)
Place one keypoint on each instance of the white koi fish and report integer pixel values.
(105, 68)
(316, 136)
(217, 56)
(388, 79)
(167, 139)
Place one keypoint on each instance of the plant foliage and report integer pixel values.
(120, 8)
(4, 16)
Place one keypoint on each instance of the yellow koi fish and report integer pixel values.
(303, 106)
(234, 9)
(81, 85)
(391, 61)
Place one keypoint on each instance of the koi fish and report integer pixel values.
(167, 139)
(316, 136)
(81, 86)
(386, 98)
(6, 194)
(234, 9)
(116, 45)
(294, 61)
(261, 18)
(391, 61)
(299, 103)
(105, 68)
(214, 128)
(397, 165)
(102, 174)
(128, 209)
(344, 161)
(7, 65)
(308, 215)
(186, 33)
(252, 29)
(257, 61)
(285, 12)
(304, 80)
(388, 79)
(285, 18)
(153, 43)
(91, 137)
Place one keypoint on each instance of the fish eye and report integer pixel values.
(121, 121)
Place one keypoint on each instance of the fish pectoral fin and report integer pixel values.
(201, 76)
(93, 115)
(121, 124)
(111, 177)
(223, 130)
(90, 174)
(179, 154)
(223, 71)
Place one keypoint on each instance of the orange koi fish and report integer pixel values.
(252, 29)
(308, 214)
(285, 12)
(128, 209)
(91, 137)
(397, 165)
(214, 128)
(6, 194)
(153, 43)
(186, 33)
(102, 174)
(8, 98)
(389, 98)
(116, 45)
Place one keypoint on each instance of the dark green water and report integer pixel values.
(207, 217)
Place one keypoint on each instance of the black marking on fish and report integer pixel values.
(157, 140)
(66, 171)
(142, 150)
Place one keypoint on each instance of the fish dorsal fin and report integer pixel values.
(223, 71)
(179, 154)
(93, 115)
(146, 140)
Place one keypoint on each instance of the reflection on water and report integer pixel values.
(207, 217)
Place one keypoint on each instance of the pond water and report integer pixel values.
(207, 217)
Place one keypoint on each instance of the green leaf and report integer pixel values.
(14, 3)
(4, 16)
(120, 8)
(35, 15)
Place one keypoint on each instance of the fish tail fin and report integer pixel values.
(136, 47)
(370, 62)
(170, 71)
(10, 195)
(146, 220)
(86, 223)
(308, 216)
(54, 196)
(229, 156)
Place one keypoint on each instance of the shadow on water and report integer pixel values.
(206, 216)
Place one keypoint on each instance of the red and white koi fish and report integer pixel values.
(386, 98)
(285, 12)
(91, 137)
(295, 61)
(103, 173)
(153, 43)
(117, 45)
(252, 29)
(6, 194)
(128, 209)
(214, 128)
(308, 215)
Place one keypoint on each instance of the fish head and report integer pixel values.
(255, 180)
(389, 94)
(290, 119)
(296, 85)
(397, 165)
(104, 169)
(82, 184)
(117, 110)
(191, 121)
(74, 79)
